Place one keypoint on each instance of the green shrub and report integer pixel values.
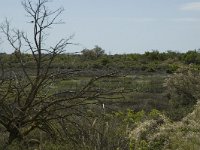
(172, 68)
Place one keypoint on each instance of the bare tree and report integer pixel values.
(27, 101)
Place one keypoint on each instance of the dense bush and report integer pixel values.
(162, 134)
(192, 57)
(183, 90)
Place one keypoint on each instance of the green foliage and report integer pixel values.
(192, 57)
(153, 135)
(145, 91)
(142, 136)
(134, 57)
(130, 116)
(172, 68)
(183, 91)
(98, 51)
(151, 67)
(59, 146)
(105, 61)
(97, 59)
(154, 114)
(94, 53)
(155, 55)
(73, 121)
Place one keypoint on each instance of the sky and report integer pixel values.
(118, 26)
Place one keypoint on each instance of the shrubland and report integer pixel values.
(51, 99)
(158, 108)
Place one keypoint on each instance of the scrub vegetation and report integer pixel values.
(54, 100)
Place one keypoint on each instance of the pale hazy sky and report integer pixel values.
(119, 26)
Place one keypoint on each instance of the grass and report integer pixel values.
(142, 91)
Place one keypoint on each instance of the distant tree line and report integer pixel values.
(96, 58)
